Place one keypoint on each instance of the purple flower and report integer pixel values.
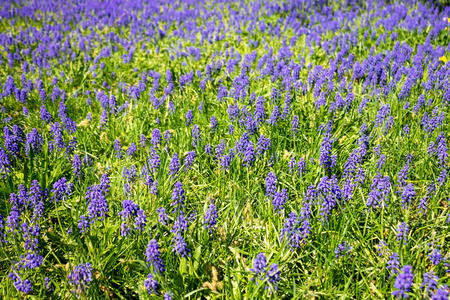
(343, 250)
(259, 267)
(393, 263)
(295, 124)
(189, 161)
(151, 285)
(34, 141)
(297, 228)
(430, 281)
(382, 248)
(435, 255)
(329, 194)
(208, 149)
(406, 130)
(233, 112)
(118, 149)
(167, 136)
(279, 199)
(213, 123)
(379, 194)
(95, 197)
(131, 214)
(189, 117)
(153, 256)
(249, 155)
(83, 224)
(174, 166)
(271, 188)
(263, 145)
(23, 286)
(384, 111)
(326, 160)
(76, 167)
(273, 120)
(46, 117)
(132, 150)
(179, 246)
(80, 277)
(142, 141)
(273, 276)
(104, 120)
(408, 195)
(48, 284)
(196, 139)
(231, 129)
(13, 140)
(211, 217)
(156, 137)
(403, 282)
(178, 195)
(441, 293)
(162, 215)
(153, 161)
(261, 271)
(5, 163)
(61, 190)
(260, 114)
(321, 101)
(129, 174)
(402, 232)
(388, 125)
(441, 149)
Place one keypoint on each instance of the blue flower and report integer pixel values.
(259, 267)
(174, 165)
(271, 188)
(196, 139)
(211, 217)
(132, 150)
(402, 232)
(403, 282)
(118, 149)
(151, 285)
(178, 195)
(213, 123)
(156, 137)
(61, 190)
(189, 117)
(430, 281)
(80, 277)
(393, 263)
(343, 250)
(153, 256)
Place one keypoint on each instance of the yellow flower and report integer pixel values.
(443, 58)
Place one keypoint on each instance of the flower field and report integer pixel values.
(212, 149)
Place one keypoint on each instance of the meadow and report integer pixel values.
(212, 149)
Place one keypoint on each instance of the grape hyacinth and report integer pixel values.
(403, 282)
(151, 285)
(402, 232)
(131, 214)
(393, 263)
(343, 250)
(211, 217)
(153, 256)
(430, 281)
(80, 277)
(262, 272)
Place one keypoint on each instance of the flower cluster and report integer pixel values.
(262, 272)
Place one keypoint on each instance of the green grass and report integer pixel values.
(247, 223)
